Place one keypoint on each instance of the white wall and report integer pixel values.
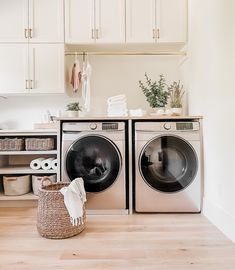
(111, 75)
(210, 71)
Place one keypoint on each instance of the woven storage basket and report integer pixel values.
(39, 144)
(53, 220)
(11, 144)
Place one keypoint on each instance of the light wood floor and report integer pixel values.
(140, 242)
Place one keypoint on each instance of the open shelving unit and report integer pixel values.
(14, 163)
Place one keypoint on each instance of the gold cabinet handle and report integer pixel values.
(97, 33)
(26, 33)
(158, 33)
(31, 84)
(93, 33)
(30, 33)
(154, 34)
(26, 84)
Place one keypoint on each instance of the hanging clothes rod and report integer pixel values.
(183, 53)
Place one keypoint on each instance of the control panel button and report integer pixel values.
(167, 126)
(93, 126)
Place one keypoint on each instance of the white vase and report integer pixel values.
(72, 113)
(159, 111)
(176, 111)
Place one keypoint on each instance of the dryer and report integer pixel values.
(95, 151)
(168, 166)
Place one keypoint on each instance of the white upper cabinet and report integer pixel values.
(13, 68)
(13, 20)
(46, 21)
(35, 68)
(161, 21)
(31, 21)
(140, 20)
(95, 21)
(171, 23)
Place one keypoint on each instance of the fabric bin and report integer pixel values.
(11, 144)
(37, 180)
(32, 144)
(16, 185)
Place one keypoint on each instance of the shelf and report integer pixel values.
(36, 132)
(45, 152)
(16, 169)
(24, 197)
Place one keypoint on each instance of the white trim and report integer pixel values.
(223, 220)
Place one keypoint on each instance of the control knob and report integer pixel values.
(93, 126)
(167, 126)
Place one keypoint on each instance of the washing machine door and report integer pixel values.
(168, 164)
(96, 159)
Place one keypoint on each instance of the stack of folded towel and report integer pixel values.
(117, 106)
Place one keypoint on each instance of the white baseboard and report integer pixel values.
(220, 218)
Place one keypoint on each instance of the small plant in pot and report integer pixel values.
(156, 93)
(176, 97)
(73, 109)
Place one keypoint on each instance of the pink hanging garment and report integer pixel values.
(76, 76)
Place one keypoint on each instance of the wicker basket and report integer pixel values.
(32, 144)
(53, 220)
(11, 144)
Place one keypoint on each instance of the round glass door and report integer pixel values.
(96, 159)
(168, 164)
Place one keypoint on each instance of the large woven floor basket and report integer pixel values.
(53, 220)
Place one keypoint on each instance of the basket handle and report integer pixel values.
(44, 180)
(11, 179)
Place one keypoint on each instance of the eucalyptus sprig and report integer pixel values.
(74, 106)
(155, 91)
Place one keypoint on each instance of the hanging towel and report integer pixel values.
(74, 199)
(86, 87)
(76, 76)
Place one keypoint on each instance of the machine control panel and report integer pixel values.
(167, 126)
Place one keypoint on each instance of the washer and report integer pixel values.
(95, 151)
(167, 166)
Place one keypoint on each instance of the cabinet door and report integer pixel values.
(13, 20)
(140, 20)
(79, 21)
(13, 68)
(110, 21)
(172, 20)
(46, 68)
(46, 21)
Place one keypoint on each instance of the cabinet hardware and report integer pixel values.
(158, 33)
(93, 33)
(97, 33)
(30, 33)
(154, 34)
(26, 33)
(31, 84)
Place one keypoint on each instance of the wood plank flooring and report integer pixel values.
(138, 242)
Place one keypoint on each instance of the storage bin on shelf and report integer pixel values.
(37, 179)
(32, 144)
(11, 144)
(16, 185)
(53, 219)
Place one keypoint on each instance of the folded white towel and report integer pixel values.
(116, 104)
(117, 98)
(74, 199)
(119, 108)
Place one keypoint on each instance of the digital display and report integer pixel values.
(109, 126)
(184, 126)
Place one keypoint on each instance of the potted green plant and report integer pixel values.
(156, 93)
(72, 109)
(176, 97)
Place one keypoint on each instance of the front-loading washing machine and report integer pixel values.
(95, 151)
(168, 166)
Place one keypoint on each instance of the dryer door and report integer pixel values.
(96, 159)
(168, 164)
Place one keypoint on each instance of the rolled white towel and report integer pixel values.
(36, 164)
(47, 163)
(54, 164)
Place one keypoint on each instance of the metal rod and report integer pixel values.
(183, 53)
